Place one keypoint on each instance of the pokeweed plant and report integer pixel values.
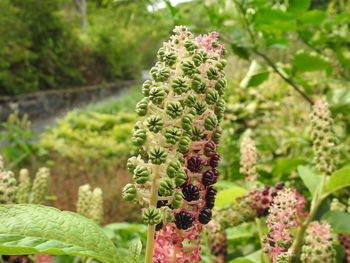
(173, 172)
(176, 163)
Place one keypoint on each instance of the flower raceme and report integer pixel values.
(176, 163)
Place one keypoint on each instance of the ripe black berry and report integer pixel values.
(190, 192)
(210, 177)
(209, 148)
(210, 196)
(161, 203)
(214, 160)
(279, 185)
(159, 226)
(195, 164)
(183, 220)
(205, 216)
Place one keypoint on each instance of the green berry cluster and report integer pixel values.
(40, 187)
(8, 187)
(182, 104)
(319, 244)
(90, 203)
(324, 139)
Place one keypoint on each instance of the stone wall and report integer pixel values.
(49, 103)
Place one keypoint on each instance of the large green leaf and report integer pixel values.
(338, 180)
(310, 179)
(313, 17)
(30, 229)
(256, 75)
(339, 221)
(298, 6)
(305, 61)
(229, 196)
(339, 100)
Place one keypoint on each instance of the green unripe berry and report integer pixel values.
(179, 85)
(197, 133)
(139, 137)
(199, 57)
(158, 155)
(172, 135)
(220, 108)
(151, 216)
(217, 135)
(141, 174)
(146, 87)
(190, 46)
(198, 85)
(173, 168)
(212, 73)
(157, 95)
(189, 68)
(141, 107)
(160, 74)
(180, 179)
(131, 164)
(187, 122)
(220, 86)
(178, 199)
(169, 58)
(212, 97)
(200, 107)
(166, 187)
(221, 64)
(191, 100)
(174, 109)
(154, 123)
(129, 192)
(210, 122)
(184, 144)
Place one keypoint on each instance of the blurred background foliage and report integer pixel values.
(282, 55)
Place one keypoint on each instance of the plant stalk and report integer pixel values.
(152, 228)
(265, 258)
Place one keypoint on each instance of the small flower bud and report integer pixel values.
(40, 187)
(154, 123)
(174, 109)
(141, 174)
(141, 107)
(8, 187)
(210, 122)
(84, 200)
(158, 155)
(24, 186)
(129, 192)
(151, 216)
(96, 207)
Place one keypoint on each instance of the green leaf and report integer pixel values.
(339, 100)
(286, 165)
(306, 62)
(339, 221)
(298, 6)
(310, 179)
(229, 196)
(241, 52)
(243, 231)
(30, 229)
(222, 184)
(256, 75)
(135, 249)
(313, 17)
(339, 179)
(241, 260)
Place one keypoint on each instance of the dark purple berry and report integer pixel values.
(195, 164)
(279, 185)
(205, 216)
(209, 148)
(274, 194)
(190, 192)
(210, 177)
(210, 196)
(214, 160)
(159, 226)
(183, 220)
(161, 203)
(265, 201)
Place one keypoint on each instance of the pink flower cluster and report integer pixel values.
(210, 43)
(281, 221)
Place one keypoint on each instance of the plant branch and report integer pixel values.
(152, 228)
